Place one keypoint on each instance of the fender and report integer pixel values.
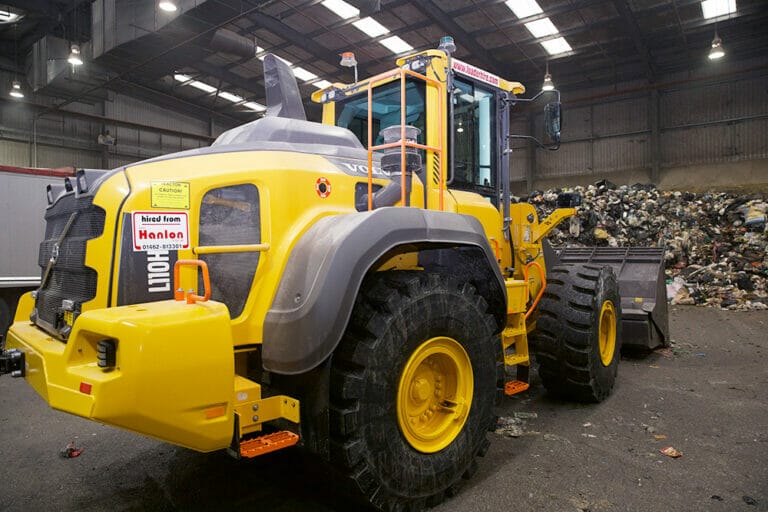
(324, 272)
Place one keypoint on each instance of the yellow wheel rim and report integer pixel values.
(434, 394)
(607, 334)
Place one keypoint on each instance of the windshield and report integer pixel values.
(352, 113)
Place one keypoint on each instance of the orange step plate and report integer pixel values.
(515, 386)
(267, 443)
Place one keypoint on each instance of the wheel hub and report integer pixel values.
(607, 333)
(434, 394)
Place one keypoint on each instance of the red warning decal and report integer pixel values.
(323, 187)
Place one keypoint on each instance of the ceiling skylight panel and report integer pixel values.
(371, 27)
(234, 98)
(396, 45)
(556, 46)
(322, 84)
(202, 86)
(341, 8)
(303, 74)
(715, 8)
(524, 8)
(541, 28)
(258, 107)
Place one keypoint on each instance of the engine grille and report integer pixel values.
(69, 278)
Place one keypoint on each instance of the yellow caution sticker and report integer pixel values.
(170, 194)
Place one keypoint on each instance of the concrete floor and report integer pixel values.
(709, 399)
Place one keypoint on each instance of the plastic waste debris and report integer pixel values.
(716, 243)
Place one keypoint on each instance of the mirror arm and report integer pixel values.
(550, 147)
(515, 99)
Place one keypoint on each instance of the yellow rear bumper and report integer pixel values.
(174, 374)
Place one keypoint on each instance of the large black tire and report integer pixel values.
(395, 313)
(567, 338)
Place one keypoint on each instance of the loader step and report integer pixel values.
(267, 443)
(515, 386)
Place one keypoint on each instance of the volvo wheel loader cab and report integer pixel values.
(363, 288)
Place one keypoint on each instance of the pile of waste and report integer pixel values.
(716, 242)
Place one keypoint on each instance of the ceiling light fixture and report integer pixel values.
(717, 51)
(167, 6)
(74, 56)
(548, 84)
(16, 91)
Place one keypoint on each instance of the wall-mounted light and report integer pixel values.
(717, 51)
(167, 6)
(74, 56)
(16, 91)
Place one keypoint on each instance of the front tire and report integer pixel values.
(577, 340)
(413, 385)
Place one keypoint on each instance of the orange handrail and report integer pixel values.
(543, 278)
(438, 150)
(178, 291)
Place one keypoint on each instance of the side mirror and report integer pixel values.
(552, 121)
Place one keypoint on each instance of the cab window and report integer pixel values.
(352, 113)
(475, 132)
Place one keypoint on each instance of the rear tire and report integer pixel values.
(383, 362)
(577, 340)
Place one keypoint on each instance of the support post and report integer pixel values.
(530, 172)
(655, 137)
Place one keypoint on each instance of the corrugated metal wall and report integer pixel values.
(701, 122)
(58, 139)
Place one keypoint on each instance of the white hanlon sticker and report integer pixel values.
(160, 231)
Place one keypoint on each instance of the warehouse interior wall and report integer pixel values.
(689, 130)
(35, 134)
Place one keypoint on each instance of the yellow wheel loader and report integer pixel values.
(364, 288)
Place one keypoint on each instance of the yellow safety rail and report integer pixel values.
(402, 73)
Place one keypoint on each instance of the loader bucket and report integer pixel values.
(640, 270)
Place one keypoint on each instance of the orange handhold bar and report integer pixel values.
(496, 248)
(543, 278)
(178, 291)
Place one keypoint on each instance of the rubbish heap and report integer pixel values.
(716, 242)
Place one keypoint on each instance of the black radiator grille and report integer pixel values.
(68, 278)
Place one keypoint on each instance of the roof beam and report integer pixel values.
(431, 10)
(297, 38)
(630, 24)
